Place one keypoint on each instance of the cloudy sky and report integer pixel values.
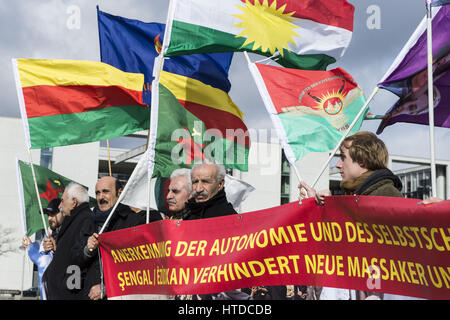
(47, 29)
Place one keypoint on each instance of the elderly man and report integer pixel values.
(65, 277)
(180, 189)
(208, 194)
(209, 200)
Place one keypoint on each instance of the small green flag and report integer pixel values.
(50, 186)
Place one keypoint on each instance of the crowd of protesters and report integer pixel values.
(68, 259)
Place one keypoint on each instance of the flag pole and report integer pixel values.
(360, 113)
(37, 193)
(430, 97)
(109, 157)
(151, 139)
(158, 65)
(121, 196)
(148, 138)
(27, 134)
(260, 84)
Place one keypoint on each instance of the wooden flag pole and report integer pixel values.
(109, 157)
(121, 196)
(148, 139)
(37, 193)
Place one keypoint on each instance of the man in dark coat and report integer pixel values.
(208, 198)
(66, 276)
(107, 192)
(208, 201)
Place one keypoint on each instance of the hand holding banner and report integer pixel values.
(392, 246)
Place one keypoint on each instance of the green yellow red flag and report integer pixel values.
(66, 102)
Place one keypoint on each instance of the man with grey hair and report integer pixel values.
(179, 192)
(208, 201)
(208, 194)
(67, 276)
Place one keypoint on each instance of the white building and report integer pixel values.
(274, 180)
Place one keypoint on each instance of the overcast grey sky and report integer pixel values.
(46, 29)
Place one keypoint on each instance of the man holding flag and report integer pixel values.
(107, 192)
(42, 253)
(363, 167)
(69, 275)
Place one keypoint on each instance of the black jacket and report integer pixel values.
(124, 218)
(65, 277)
(217, 206)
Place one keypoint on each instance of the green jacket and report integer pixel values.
(374, 183)
(381, 183)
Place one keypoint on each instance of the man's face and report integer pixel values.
(204, 184)
(55, 220)
(348, 168)
(67, 204)
(178, 194)
(105, 193)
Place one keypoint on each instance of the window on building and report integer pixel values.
(46, 158)
(285, 179)
(416, 184)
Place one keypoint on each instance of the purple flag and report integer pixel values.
(407, 76)
(435, 3)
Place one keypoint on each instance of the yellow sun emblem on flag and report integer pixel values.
(332, 103)
(268, 28)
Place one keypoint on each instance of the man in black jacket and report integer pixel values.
(66, 276)
(208, 194)
(107, 192)
(208, 201)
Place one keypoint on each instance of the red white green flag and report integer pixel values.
(66, 102)
(311, 110)
(307, 34)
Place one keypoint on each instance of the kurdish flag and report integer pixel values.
(196, 122)
(50, 185)
(310, 110)
(66, 102)
(308, 34)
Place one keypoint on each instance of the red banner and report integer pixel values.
(380, 244)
